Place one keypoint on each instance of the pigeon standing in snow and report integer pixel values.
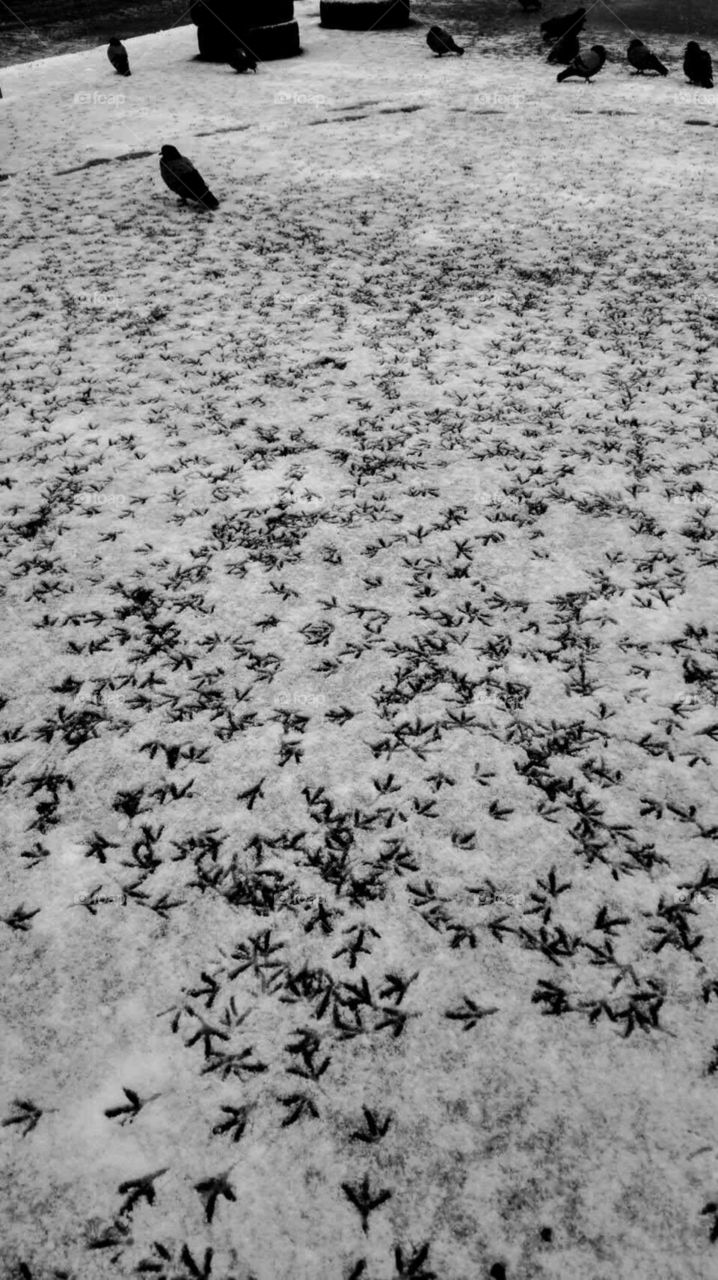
(181, 177)
(242, 61)
(585, 65)
(555, 28)
(440, 42)
(642, 59)
(698, 65)
(565, 49)
(530, 6)
(117, 54)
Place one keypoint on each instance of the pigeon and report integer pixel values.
(643, 60)
(117, 54)
(530, 6)
(242, 61)
(181, 177)
(565, 49)
(585, 65)
(440, 42)
(698, 66)
(555, 28)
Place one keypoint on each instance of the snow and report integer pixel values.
(359, 584)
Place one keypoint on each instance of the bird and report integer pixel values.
(698, 65)
(181, 177)
(530, 6)
(242, 61)
(555, 28)
(642, 59)
(440, 42)
(585, 65)
(565, 49)
(117, 54)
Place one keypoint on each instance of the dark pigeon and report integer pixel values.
(117, 54)
(181, 177)
(642, 59)
(440, 42)
(242, 61)
(585, 65)
(530, 6)
(698, 65)
(555, 28)
(565, 49)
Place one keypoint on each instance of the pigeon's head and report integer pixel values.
(169, 153)
(114, 40)
(599, 51)
(634, 44)
(692, 46)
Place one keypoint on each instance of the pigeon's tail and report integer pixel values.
(655, 65)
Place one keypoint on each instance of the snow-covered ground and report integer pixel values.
(360, 890)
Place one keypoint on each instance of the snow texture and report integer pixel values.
(360, 668)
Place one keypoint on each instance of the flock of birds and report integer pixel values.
(561, 33)
(239, 59)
